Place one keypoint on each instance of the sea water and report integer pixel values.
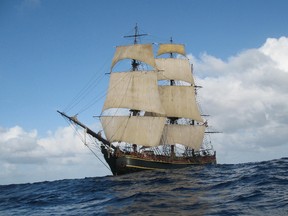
(241, 189)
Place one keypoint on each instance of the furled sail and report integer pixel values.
(179, 101)
(188, 135)
(171, 48)
(140, 52)
(174, 69)
(139, 130)
(134, 90)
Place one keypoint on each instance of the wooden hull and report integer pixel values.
(121, 162)
(129, 163)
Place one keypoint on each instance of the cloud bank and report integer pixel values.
(25, 157)
(246, 96)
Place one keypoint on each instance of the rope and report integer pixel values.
(83, 141)
(88, 87)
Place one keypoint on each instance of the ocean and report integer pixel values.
(240, 189)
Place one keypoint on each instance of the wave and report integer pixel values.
(234, 189)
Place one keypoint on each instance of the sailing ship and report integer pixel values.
(150, 118)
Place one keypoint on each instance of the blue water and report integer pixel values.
(242, 189)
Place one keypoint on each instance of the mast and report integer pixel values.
(134, 62)
(171, 42)
(172, 82)
(173, 120)
(179, 100)
(136, 34)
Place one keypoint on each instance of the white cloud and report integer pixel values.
(25, 157)
(277, 50)
(247, 98)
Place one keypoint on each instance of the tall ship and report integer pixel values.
(150, 118)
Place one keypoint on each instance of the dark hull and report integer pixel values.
(124, 163)
(129, 163)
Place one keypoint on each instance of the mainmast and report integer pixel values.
(172, 82)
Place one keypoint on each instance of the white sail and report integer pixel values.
(134, 90)
(188, 135)
(139, 90)
(174, 69)
(140, 52)
(139, 130)
(179, 101)
(171, 48)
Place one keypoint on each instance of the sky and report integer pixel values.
(50, 51)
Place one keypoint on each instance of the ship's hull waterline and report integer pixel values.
(130, 163)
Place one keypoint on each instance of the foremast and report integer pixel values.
(135, 89)
(136, 36)
(173, 120)
(135, 64)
